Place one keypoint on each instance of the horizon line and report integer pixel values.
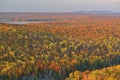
(60, 11)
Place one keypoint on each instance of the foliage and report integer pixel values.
(51, 52)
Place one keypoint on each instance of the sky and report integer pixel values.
(59, 5)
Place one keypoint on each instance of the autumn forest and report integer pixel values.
(61, 47)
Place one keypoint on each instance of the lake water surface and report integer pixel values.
(10, 21)
(23, 22)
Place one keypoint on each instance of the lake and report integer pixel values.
(23, 22)
(10, 21)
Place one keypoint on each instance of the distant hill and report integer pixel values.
(97, 12)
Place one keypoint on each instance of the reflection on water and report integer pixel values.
(23, 22)
(10, 21)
